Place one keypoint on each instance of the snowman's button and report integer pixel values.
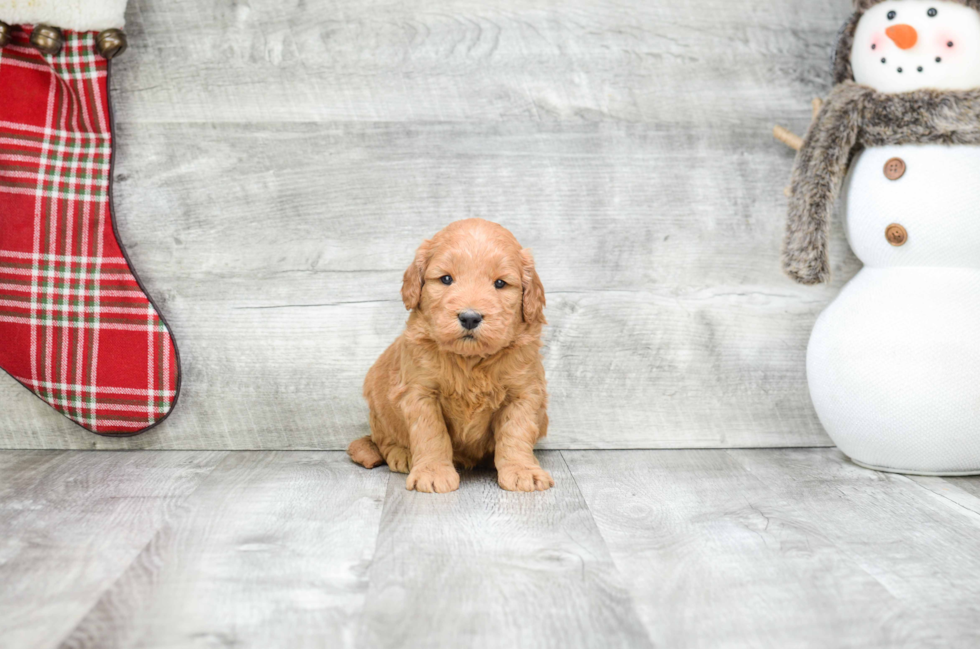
(896, 235)
(894, 169)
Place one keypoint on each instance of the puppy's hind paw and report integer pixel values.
(524, 478)
(364, 452)
(437, 478)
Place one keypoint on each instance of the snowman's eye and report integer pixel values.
(932, 13)
(891, 15)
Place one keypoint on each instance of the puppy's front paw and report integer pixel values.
(524, 478)
(399, 460)
(434, 478)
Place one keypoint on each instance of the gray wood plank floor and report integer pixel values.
(683, 548)
(279, 160)
(72, 523)
(488, 568)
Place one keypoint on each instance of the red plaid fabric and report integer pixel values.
(76, 327)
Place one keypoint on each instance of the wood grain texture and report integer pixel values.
(71, 523)
(684, 548)
(272, 551)
(482, 567)
(792, 548)
(278, 162)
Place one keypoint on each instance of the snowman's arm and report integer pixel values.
(788, 137)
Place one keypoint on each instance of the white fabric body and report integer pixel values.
(75, 15)
(959, 64)
(893, 363)
(937, 200)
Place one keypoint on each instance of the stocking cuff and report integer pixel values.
(76, 15)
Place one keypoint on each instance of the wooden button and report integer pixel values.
(894, 169)
(896, 235)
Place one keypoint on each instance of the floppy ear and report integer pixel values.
(534, 301)
(415, 277)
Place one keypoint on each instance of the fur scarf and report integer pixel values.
(855, 117)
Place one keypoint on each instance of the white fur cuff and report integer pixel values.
(76, 15)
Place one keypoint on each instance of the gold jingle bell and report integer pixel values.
(4, 33)
(47, 39)
(111, 43)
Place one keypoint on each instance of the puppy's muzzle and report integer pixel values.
(470, 319)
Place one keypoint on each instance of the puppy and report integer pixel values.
(465, 381)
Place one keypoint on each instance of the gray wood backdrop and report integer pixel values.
(279, 161)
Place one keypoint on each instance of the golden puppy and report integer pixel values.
(465, 380)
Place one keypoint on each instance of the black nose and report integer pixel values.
(470, 319)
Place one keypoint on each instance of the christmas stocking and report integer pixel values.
(76, 326)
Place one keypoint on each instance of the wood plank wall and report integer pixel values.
(279, 160)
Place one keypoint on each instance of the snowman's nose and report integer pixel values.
(904, 36)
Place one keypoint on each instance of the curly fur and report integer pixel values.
(854, 117)
(441, 395)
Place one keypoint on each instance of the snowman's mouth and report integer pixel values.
(902, 69)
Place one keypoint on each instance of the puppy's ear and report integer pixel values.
(533, 306)
(415, 276)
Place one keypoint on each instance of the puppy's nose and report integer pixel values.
(470, 319)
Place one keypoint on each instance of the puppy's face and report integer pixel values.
(474, 288)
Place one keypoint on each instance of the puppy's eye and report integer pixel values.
(932, 12)
(891, 15)
(446, 279)
(500, 283)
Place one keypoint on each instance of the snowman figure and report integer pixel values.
(893, 364)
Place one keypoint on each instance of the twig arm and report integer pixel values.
(787, 137)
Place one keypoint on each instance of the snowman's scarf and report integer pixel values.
(854, 117)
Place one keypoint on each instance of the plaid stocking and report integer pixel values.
(76, 327)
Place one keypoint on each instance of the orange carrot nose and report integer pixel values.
(904, 36)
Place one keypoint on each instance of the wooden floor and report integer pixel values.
(684, 548)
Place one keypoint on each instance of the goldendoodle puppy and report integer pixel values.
(465, 381)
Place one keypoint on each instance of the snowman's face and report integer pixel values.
(904, 45)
